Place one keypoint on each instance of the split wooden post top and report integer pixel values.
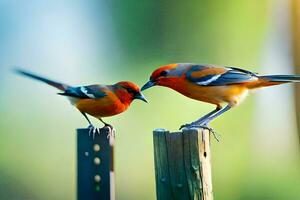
(182, 164)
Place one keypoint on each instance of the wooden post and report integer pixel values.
(95, 172)
(295, 31)
(182, 164)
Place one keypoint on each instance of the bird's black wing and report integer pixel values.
(218, 76)
(85, 92)
(234, 76)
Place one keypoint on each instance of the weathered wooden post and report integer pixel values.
(295, 44)
(95, 167)
(182, 164)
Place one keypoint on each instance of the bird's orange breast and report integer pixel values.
(103, 107)
(217, 95)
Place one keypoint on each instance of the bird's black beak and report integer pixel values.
(149, 84)
(140, 96)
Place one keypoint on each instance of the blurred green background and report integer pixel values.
(85, 42)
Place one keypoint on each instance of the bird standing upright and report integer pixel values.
(213, 84)
(96, 100)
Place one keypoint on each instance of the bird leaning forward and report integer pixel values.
(96, 100)
(213, 84)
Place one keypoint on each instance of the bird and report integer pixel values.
(225, 87)
(96, 100)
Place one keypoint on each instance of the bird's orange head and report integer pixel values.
(164, 76)
(128, 91)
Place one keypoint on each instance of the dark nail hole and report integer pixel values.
(163, 180)
(204, 154)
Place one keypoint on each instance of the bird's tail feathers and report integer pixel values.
(270, 80)
(282, 78)
(55, 84)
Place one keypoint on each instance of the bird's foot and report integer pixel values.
(190, 125)
(203, 126)
(93, 131)
(211, 131)
(111, 131)
(186, 126)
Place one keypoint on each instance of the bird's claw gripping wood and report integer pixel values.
(216, 135)
(184, 126)
(193, 125)
(211, 130)
(204, 126)
(111, 131)
(93, 131)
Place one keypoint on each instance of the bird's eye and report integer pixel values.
(163, 73)
(129, 90)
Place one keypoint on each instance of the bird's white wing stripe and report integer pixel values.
(214, 78)
(85, 91)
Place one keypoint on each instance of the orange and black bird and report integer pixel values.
(96, 100)
(213, 84)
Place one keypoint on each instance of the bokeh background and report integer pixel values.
(84, 42)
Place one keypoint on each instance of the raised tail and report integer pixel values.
(55, 84)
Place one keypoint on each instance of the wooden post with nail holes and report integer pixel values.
(95, 166)
(182, 165)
